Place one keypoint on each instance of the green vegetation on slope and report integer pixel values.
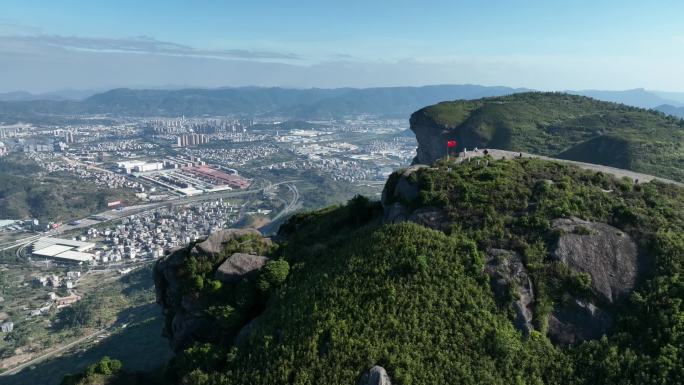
(123, 304)
(27, 192)
(569, 127)
(358, 292)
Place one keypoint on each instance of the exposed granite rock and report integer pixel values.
(405, 190)
(431, 217)
(569, 324)
(167, 286)
(507, 271)
(396, 198)
(395, 213)
(578, 321)
(186, 328)
(186, 319)
(431, 137)
(239, 265)
(214, 244)
(604, 252)
(377, 375)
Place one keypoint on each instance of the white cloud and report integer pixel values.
(39, 63)
(138, 44)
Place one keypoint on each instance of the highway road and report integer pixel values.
(115, 215)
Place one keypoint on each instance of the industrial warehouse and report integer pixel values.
(184, 176)
(64, 250)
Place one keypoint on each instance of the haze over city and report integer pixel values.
(47, 46)
(368, 192)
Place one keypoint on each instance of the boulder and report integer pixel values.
(507, 271)
(431, 217)
(578, 321)
(405, 190)
(238, 266)
(166, 283)
(188, 328)
(396, 199)
(604, 252)
(215, 243)
(400, 188)
(377, 375)
(187, 321)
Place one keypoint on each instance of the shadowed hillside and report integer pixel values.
(557, 125)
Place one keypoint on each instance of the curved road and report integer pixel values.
(139, 209)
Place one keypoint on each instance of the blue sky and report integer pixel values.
(46, 45)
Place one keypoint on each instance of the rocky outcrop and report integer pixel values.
(604, 252)
(395, 213)
(400, 191)
(186, 318)
(610, 257)
(400, 187)
(432, 138)
(578, 321)
(238, 266)
(508, 273)
(432, 217)
(186, 328)
(377, 375)
(215, 243)
(185, 321)
(468, 131)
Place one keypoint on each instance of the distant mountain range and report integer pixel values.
(314, 103)
(24, 96)
(638, 97)
(671, 110)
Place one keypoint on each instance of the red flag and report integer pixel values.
(451, 144)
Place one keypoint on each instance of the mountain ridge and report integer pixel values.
(483, 255)
(311, 103)
(467, 271)
(671, 110)
(297, 103)
(556, 125)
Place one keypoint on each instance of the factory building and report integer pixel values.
(64, 250)
(140, 166)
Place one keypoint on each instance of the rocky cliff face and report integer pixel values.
(470, 131)
(606, 255)
(509, 277)
(188, 319)
(432, 138)
(398, 197)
